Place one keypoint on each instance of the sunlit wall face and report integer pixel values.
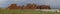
(52, 3)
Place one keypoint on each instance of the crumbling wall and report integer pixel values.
(13, 6)
(45, 7)
(29, 6)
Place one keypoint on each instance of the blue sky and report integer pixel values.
(53, 3)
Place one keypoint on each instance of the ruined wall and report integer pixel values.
(38, 7)
(29, 6)
(45, 7)
(13, 6)
(33, 6)
(19, 7)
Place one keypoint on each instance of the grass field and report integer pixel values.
(24, 12)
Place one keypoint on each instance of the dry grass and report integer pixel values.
(24, 12)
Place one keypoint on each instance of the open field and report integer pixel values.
(24, 12)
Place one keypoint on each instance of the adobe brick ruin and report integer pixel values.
(29, 6)
(14, 6)
(45, 7)
(33, 6)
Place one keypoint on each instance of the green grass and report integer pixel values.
(23, 12)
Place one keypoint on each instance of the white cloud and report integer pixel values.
(3, 1)
(19, 0)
